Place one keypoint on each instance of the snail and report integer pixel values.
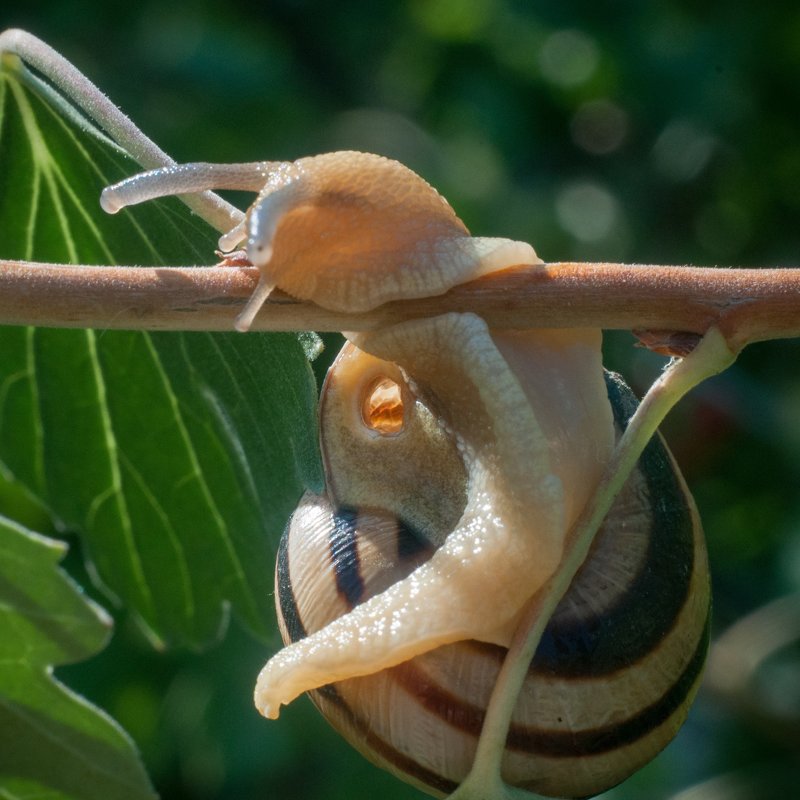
(347, 230)
(457, 460)
(621, 658)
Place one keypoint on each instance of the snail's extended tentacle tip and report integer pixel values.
(178, 179)
(235, 236)
(110, 201)
(142, 187)
(253, 305)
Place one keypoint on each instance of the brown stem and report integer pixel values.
(745, 304)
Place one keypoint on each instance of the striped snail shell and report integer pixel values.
(619, 663)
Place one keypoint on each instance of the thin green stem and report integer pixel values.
(484, 782)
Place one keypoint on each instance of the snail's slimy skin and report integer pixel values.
(346, 230)
(351, 231)
(518, 476)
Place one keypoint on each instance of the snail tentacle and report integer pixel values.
(184, 179)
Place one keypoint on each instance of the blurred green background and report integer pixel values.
(623, 131)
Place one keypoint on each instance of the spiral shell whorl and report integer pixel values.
(611, 682)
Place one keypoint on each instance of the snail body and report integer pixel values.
(458, 460)
(346, 230)
(612, 680)
(526, 471)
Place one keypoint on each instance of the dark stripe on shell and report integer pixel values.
(555, 744)
(646, 611)
(368, 742)
(551, 744)
(287, 602)
(612, 737)
(343, 543)
(410, 543)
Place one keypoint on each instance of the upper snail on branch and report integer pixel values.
(457, 461)
(347, 230)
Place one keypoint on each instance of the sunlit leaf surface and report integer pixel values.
(52, 743)
(177, 457)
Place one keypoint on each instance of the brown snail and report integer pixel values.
(457, 461)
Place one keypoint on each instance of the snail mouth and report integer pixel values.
(382, 406)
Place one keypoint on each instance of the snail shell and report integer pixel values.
(619, 663)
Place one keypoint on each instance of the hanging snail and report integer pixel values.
(457, 459)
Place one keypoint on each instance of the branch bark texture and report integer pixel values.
(745, 304)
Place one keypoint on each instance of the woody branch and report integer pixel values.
(745, 304)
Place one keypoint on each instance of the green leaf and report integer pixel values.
(53, 171)
(52, 743)
(177, 457)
